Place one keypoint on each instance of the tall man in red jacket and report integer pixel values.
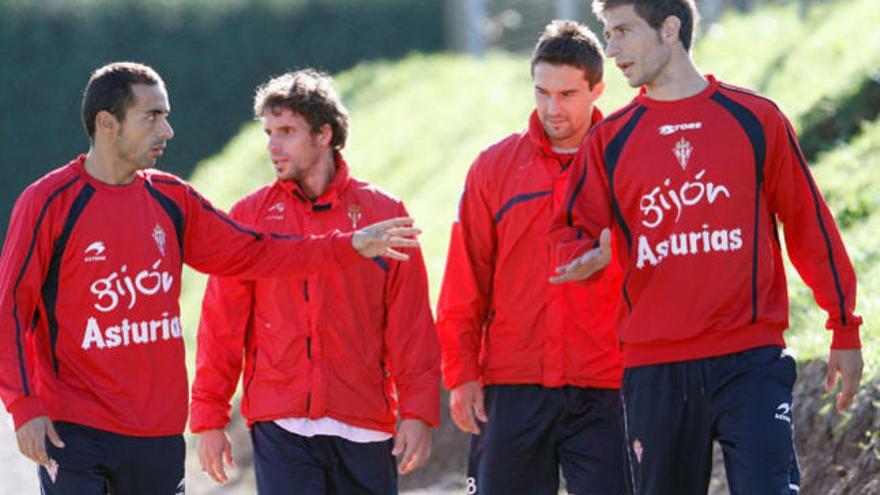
(331, 361)
(536, 365)
(91, 352)
(696, 177)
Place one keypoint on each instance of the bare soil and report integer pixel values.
(839, 453)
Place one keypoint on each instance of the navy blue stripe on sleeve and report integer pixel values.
(816, 205)
(208, 206)
(27, 259)
(516, 200)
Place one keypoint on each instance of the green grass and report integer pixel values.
(797, 62)
(418, 123)
(849, 177)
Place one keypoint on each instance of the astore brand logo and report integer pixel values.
(95, 252)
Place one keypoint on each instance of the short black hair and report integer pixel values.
(109, 89)
(654, 12)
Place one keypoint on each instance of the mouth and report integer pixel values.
(158, 150)
(625, 66)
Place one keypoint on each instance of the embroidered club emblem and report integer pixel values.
(637, 448)
(355, 213)
(159, 237)
(683, 150)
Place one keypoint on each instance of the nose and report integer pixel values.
(611, 49)
(552, 105)
(167, 131)
(272, 145)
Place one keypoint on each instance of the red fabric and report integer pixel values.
(500, 320)
(90, 280)
(702, 281)
(336, 344)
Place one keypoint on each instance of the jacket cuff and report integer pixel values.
(204, 416)
(343, 249)
(461, 374)
(26, 409)
(420, 398)
(846, 338)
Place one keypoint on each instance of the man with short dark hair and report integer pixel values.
(536, 365)
(330, 361)
(91, 350)
(695, 177)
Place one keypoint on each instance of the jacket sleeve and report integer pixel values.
(227, 309)
(586, 207)
(463, 309)
(225, 319)
(413, 353)
(216, 244)
(23, 267)
(812, 239)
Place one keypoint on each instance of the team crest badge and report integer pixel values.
(683, 151)
(355, 213)
(637, 448)
(159, 237)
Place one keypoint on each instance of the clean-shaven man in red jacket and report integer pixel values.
(698, 179)
(534, 370)
(341, 370)
(91, 349)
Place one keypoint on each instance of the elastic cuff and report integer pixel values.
(343, 249)
(846, 338)
(203, 418)
(452, 380)
(26, 409)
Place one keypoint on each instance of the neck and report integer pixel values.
(678, 80)
(106, 167)
(320, 176)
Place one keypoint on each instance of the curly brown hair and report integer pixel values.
(309, 93)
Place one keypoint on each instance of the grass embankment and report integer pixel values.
(418, 123)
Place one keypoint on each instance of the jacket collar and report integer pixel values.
(334, 189)
(539, 138)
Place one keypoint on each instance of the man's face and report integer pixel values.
(292, 146)
(144, 132)
(635, 46)
(564, 102)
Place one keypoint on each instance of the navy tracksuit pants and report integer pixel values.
(674, 411)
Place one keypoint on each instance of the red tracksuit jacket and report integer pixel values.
(89, 284)
(500, 320)
(337, 344)
(696, 190)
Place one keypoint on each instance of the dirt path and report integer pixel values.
(839, 454)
